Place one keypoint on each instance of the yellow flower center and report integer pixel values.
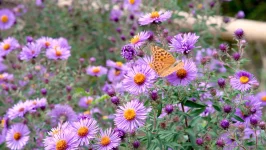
(131, 1)
(61, 145)
(181, 73)
(6, 46)
(105, 117)
(47, 44)
(105, 140)
(200, 6)
(119, 64)
(86, 112)
(129, 114)
(139, 78)
(155, 14)
(263, 98)
(4, 18)
(21, 109)
(88, 101)
(58, 52)
(96, 70)
(17, 136)
(1, 77)
(34, 103)
(83, 131)
(3, 123)
(117, 73)
(134, 40)
(244, 79)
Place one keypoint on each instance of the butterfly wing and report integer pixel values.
(161, 60)
(172, 69)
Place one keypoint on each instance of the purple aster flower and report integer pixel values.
(8, 45)
(243, 81)
(20, 10)
(184, 75)
(62, 113)
(208, 110)
(86, 129)
(115, 15)
(18, 110)
(61, 42)
(132, 5)
(169, 108)
(128, 52)
(84, 102)
(117, 65)
(107, 140)
(58, 53)
(7, 19)
(230, 140)
(224, 124)
(250, 133)
(17, 136)
(183, 43)
(131, 116)
(4, 122)
(140, 39)
(30, 51)
(155, 17)
(115, 75)
(39, 103)
(65, 140)
(139, 79)
(262, 98)
(45, 42)
(251, 108)
(96, 71)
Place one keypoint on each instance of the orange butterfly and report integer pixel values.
(163, 62)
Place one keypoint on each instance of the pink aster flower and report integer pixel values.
(60, 42)
(66, 140)
(107, 140)
(8, 45)
(131, 116)
(85, 101)
(140, 39)
(117, 65)
(183, 43)
(155, 17)
(30, 51)
(96, 71)
(17, 136)
(262, 97)
(58, 53)
(132, 5)
(115, 75)
(185, 75)
(139, 79)
(7, 19)
(243, 81)
(45, 42)
(18, 110)
(85, 129)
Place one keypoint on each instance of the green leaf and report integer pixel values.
(238, 118)
(216, 107)
(193, 104)
(197, 111)
(149, 139)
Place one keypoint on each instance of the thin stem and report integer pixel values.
(186, 122)
(256, 138)
(154, 120)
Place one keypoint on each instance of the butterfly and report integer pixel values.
(164, 63)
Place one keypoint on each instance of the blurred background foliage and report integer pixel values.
(254, 9)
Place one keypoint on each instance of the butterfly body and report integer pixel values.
(163, 63)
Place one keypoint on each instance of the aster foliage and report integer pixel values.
(112, 75)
